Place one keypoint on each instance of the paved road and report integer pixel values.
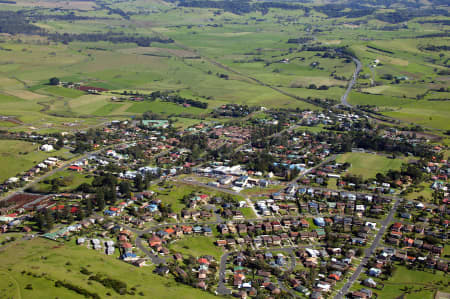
(155, 258)
(326, 161)
(351, 83)
(369, 251)
(222, 289)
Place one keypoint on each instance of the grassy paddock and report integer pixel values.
(41, 262)
(17, 156)
(368, 165)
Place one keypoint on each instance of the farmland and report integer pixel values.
(232, 59)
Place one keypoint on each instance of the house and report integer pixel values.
(375, 272)
(161, 270)
(139, 263)
(154, 241)
(369, 282)
(319, 221)
(304, 223)
(221, 242)
(128, 256)
(75, 168)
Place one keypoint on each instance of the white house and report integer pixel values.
(47, 148)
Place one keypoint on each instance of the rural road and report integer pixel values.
(351, 83)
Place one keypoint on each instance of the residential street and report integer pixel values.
(369, 251)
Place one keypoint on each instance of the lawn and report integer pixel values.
(197, 246)
(173, 195)
(368, 165)
(248, 213)
(39, 263)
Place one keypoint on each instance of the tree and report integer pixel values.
(66, 212)
(60, 143)
(124, 188)
(138, 183)
(100, 197)
(54, 81)
(41, 221)
(89, 206)
(49, 220)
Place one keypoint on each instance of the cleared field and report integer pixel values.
(358, 98)
(421, 284)
(248, 213)
(61, 91)
(433, 114)
(368, 165)
(197, 246)
(165, 108)
(17, 156)
(39, 263)
(71, 181)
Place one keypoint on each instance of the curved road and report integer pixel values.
(352, 82)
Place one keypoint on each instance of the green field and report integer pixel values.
(18, 156)
(248, 213)
(61, 91)
(220, 57)
(197, 246)
(423, 284)
(41, 262)
(368, 165)
(71, 181)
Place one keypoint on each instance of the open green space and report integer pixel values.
(39, 263)
(61, 91)
(19, 156)
(368, 165)
(421, 192)
(421, 284)
(197, 246)
(248, 213)
(69, 180)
